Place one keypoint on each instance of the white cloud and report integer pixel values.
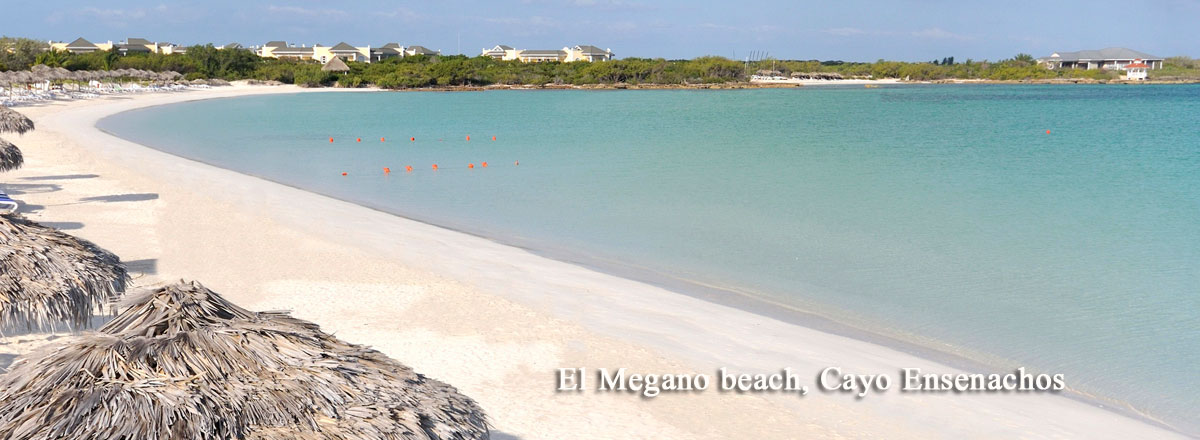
(401, 13)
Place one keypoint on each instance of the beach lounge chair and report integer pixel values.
(7, 205)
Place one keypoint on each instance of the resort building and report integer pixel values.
(587, 53)
(1113, 58)
(389, 50)
(419, 50)
(540, 56)
(501, 52)
(80, 45)
(170, 49)
(129, 46)
(567, 54)
(273, 49)
(137, 45)
(281, 50)
(343, 50)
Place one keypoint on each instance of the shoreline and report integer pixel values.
(746, 85)
(658, 323)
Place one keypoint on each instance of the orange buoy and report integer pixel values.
(387, 170)
(468, 137)
(412, 139)
(516, 162)
(343, 173)
(493, 138)
(471, 166)
(435, 166)
(408, 168)
(485, 164)
(358, 140)
(331, 140)
(1047, 131)
(382, 140)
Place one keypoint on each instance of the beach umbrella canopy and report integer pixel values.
(10, 156)
(182, 362)
(336, 65)
(48, 277)
(14, 122)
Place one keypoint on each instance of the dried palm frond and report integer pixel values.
(48, 277)
(182, 362)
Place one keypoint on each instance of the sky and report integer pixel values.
(849, 30)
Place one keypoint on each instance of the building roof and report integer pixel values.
(1137, 65)
(1111, 53)
(502, 47)
(292, 50)
(133, 47)
(141, 41)
(276, 44)
(343, 47)
(391, 46)
(232, 46)
(421, 50)
(591, 50)
(336, 65)
(542, 53)
(80, 43)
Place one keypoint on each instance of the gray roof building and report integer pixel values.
(418, 50)
(80, 45)
(1107, 58)
(543, 53)
(389, 50)
(343, 47)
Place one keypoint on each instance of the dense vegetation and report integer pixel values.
(459, 70)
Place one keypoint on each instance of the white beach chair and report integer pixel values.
(7, 204)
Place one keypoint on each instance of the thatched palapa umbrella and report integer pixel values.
(48, 277)
(10, 156)
(336, 65)
(11, 121)
(182, 362)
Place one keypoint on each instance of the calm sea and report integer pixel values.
(943, 215)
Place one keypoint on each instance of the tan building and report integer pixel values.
(587, 53)
(501, 52)
(80, 45)
(281, 50)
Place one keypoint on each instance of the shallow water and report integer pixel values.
(942, 215)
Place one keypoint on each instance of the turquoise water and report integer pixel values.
(942, 215)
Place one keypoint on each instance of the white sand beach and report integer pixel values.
(493, 320)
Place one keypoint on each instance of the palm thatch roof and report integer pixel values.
(48, 277)
(10, 156)
(182, 362)
(14, 122)
(336, 65)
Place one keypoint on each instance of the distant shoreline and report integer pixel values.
(750, 85)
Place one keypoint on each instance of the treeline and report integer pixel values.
(207, 62)
(1020, 67)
